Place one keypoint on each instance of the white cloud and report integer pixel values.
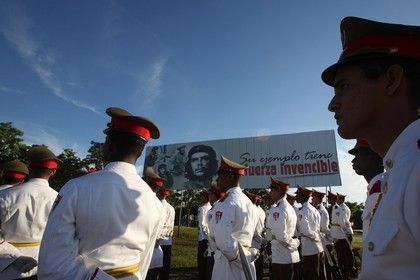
(9, 90)
(40, 135)
(150, 82)
(16, 29)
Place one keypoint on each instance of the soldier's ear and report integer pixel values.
(394, 78)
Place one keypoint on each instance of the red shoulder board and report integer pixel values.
(376, 188)
(223, 196)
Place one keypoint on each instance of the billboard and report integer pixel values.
(308, 158)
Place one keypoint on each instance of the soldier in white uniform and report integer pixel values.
(342, 233)
(24, 209)
(281, 224)
(105, 224)
(202, 234)
(165, 241)
(377, 98)
(214, 196)
(368, 164)
(326, 238)
(155, 183)
(12, 262)
(233, 224)
(14, 173)
(308, 225)
(257, 239)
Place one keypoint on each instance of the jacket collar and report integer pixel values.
(39, 181)
(121, 167)
(407, 141)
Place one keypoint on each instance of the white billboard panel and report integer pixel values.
(308, 159)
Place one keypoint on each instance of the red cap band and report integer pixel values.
(14, 174)
(401, 45)
(225, 167)
(51, 164)
(157, 182)
(131, 127)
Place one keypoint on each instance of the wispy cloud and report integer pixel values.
(9, 90)
(150, 82)
(39, 135)
(16, 29)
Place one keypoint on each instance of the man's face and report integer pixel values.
(332, 200)
(300, 198)
(162, 170)
(355, 103)
(274, 194)
(224, 181)
(316, 200)
(361, 162)
(200, 163)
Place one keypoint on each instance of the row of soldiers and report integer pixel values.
(294, 238)
(108, 224)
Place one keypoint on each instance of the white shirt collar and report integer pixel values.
(408, 138)
(121, 166)
(39, 181)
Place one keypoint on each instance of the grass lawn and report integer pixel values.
(184, 252)
(184, 248)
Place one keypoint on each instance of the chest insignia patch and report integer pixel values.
(276, 216)
(219, 215)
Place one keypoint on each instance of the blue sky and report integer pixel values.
(201, 70)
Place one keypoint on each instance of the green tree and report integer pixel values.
(95, 156)
(11, 143)
(68, 169)
(356, 213)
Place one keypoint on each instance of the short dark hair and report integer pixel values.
(125, 143)
(212, 156)
(375, 67)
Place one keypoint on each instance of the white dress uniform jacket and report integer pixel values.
(257, 239)
(373, 192)
(308, 226)
(24, 211)
(203, 230)
(101, 221)
(4, 187)
(391, 249)
(210, 234)
(282, 224)
(325, 225)
(233, 221)
(168, 225)
(340, 221)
